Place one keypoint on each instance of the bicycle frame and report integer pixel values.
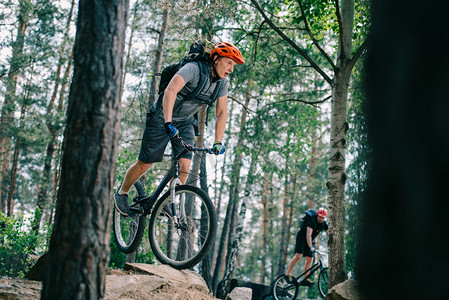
(174, 173)
(317, 266)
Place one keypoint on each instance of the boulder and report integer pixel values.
(138, 281)
(240, 293)
(347, 290)
(259, 291)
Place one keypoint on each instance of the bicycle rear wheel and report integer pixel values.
(128, 231)
(282, 290)
(323, 282)
(182, 242)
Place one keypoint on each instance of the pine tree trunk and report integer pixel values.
(15, 162)
(265, 217)
(283, 243)
(232, 252)
(234, 187)
(6, 119)
(79, 245)
(158, 58)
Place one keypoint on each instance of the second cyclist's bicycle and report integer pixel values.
(182, 224)
(283, 290)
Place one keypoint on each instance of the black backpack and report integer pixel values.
(308, 215)
(196, 54)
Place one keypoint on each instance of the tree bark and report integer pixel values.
(337, 153)
(79, 245)
(283, 243)
(231, 211)
(158, 58)
(232, 252)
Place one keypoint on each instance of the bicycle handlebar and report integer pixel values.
(192, 148)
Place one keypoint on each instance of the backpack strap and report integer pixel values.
(213, 98)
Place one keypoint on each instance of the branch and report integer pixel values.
(315, 42)
(289, 41)
(243, 105)
(357, 54)
(302, 101)
(340, 25)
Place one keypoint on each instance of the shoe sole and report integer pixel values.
(118, 209)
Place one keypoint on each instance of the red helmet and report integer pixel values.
(322, 212)
(228, 50)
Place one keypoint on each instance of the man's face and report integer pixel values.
(224, 66)
(320, 219)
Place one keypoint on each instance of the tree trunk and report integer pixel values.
(6, 119)
(283, 243)
(158, 58)
(234, 189)
(232, 252)
(265, 217)
(79, 245)
(337, 153)
(15, 162)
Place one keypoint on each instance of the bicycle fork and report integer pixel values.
(176, 181)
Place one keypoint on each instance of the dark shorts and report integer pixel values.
(301, 245)
(155, 138)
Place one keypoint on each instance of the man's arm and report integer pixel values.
(222, 115)
(172, 89)
(309, 236)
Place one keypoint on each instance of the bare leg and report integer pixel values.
(184, 167)
(293, 262)
(308, 264)
(133, 174)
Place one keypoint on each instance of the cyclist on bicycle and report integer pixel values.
(311, 225)
(167, 123)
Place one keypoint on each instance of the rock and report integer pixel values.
(240, 293)
(347, 290)
(36, 272)
(259, 291)
(19, 289)
(138, 281)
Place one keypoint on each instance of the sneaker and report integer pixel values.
(290, 279)
(306, 282)
(121, 204)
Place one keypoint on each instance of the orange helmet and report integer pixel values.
(322, 212)
(228, 50)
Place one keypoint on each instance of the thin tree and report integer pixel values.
(341, 69)
(16, 63)
(79, 245)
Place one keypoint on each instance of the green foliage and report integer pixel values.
(17, 243)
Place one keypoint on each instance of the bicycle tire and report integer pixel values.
(128, 231)
(323, 282)
(282, 290)
(194, 239)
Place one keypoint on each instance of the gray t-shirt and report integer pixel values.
(190, 72)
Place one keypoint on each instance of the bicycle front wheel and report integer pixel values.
(128, 231)
(182, 232)
(323, 282)
(282, 290)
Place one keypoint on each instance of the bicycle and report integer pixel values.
(182, 224)
(283, 290)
